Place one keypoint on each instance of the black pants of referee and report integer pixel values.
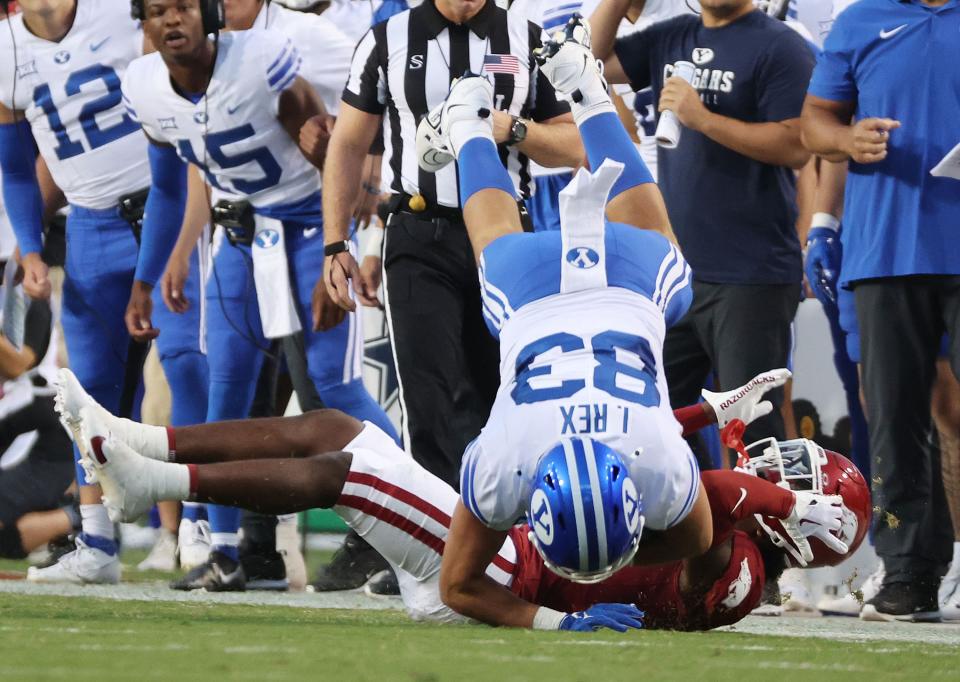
(902, 320)
(447, 361)
(735, 331)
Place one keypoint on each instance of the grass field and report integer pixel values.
(46, 638)
(130, 633)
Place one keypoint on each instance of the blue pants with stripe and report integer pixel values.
(178, 346)
(544, 205)
(236, 345)
(101, 258)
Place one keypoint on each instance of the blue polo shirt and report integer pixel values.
(901, 60)
(735, 218)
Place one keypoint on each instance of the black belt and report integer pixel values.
(401, 203)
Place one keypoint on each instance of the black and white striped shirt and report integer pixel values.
(402, 68)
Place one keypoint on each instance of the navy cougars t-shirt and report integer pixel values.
(735, 217)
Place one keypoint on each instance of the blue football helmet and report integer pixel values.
(585, 513)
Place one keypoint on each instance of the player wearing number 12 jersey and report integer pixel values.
(61, 63)
(234, 107)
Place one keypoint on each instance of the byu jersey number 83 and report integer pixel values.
(70, 93)
(233, 133)
(581, 363)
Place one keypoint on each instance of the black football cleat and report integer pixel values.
(220, 573)
(383, 584)
(264, 568)
(913, 602)
(351, 567)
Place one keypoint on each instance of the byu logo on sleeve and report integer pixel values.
(582, 257)
(542, 517)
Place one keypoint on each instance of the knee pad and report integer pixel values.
(11, 545)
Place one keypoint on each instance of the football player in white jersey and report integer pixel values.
(581, 315)
(234, 107)
(327, 459)
(61, 62)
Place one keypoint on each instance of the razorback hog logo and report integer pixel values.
(757, 381)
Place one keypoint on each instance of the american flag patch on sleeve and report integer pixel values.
(501, 63)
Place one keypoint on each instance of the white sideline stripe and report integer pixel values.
(404, 425)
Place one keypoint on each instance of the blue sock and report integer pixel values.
(353, 399)
(604, 137)
(194, 511)
(480, 168)
(105, 545)
(224, 524)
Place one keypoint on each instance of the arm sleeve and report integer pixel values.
(692, 418)
(735, 496)
(783, 78)
(21, 192)
(635, 53)
(37, 327)
(672, 291)
(542, 95)
(833, 76)
(163, 214)
(366, 86)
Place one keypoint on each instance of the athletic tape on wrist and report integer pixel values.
(374, 243)
(825, 220)
(548, 619)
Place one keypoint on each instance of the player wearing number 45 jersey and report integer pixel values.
(61, 62)
(234, 107)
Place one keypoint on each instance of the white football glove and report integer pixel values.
(744, 403)
(815, 516)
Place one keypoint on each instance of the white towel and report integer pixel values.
(278, 311)
(583, 203)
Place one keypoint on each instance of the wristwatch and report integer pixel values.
(518, 131)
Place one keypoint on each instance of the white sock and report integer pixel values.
(956, 556)
(462, 132)
(594, 100)
(224, 539)
(148, 440)
(171, 481)
(94, 521)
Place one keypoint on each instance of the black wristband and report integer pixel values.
(336, 247)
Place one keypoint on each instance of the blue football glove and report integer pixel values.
(617, 617)
(822, 264)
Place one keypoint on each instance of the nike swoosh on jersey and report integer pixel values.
(310, 231)
(96, 46)
(892, 32)
(743, 496)
(231, 110)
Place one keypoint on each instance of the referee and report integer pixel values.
(447, 363)
(891, 67)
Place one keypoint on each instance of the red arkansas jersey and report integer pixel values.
(654, 589)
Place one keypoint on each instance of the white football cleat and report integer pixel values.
(131, 484)
(949, 592)
(470, 99)
(851, 603)
(433, 153)
(193, 543)
(83, 566)
(163, 554)
(569, 65)
(150, 441)
(795, 594)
